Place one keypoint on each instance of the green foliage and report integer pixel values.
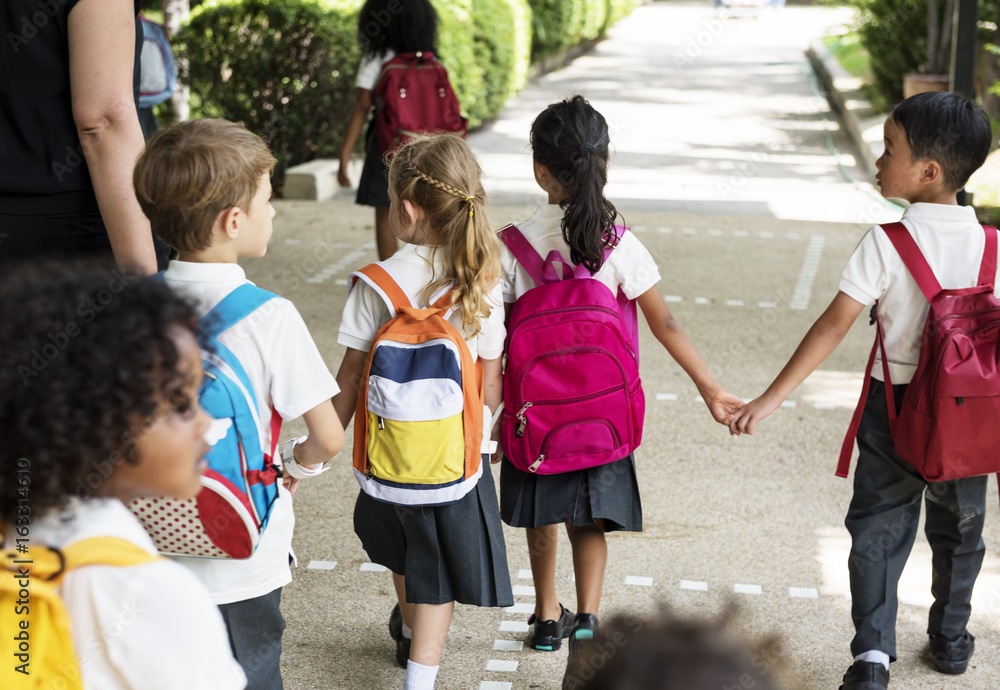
(284, 68)
(894, 32)
(503, 39)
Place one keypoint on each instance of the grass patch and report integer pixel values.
(856, 61)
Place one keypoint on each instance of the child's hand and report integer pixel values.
(754, 411)
(723, 406)
(291, 483)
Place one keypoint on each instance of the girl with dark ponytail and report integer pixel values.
(569, 143)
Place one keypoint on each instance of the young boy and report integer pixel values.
(205, 185)
(933, 143)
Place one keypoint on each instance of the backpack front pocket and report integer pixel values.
(425, 452)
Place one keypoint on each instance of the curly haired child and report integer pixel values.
(98, 401)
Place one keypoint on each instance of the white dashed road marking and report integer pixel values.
(638, 581)
(501, 665)
(803, 592)
(807, 276)
(747, 589)
(373, 568)
(694, 585)
(508, 645)
(322, 565)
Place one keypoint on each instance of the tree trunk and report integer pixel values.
(175, 13)
(933, 27)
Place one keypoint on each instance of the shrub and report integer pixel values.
(458, 51)
(617, 9)
(284, 68)
(503, 38)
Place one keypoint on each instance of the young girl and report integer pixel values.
(569, 142)
(438, 555)
(98, 405)
(385, 28)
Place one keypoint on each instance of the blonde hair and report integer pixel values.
(441, 176)
(193, 171)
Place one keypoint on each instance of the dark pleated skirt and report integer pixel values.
(373, 187)
(609, 492)
(447, 553)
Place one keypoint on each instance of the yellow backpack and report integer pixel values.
(37, 648)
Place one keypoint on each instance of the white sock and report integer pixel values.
(419, 677)
(873, 656)
(407, 631)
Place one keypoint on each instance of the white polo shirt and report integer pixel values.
(952, 242)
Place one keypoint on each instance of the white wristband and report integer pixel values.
(292, 467)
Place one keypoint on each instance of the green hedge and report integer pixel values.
(286, 68)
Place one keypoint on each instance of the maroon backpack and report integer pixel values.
(947, 426)
(413, 96)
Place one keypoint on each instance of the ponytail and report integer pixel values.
(440, 174)
(570, 138)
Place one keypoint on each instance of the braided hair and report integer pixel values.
(441, 176)
(570, 138)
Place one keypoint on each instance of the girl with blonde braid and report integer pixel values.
(438, 554)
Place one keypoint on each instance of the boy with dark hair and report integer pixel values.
(205, 185)
(933, 143)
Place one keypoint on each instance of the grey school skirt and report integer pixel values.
(448, 553)
(609, 492)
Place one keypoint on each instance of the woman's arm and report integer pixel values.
(101, 63)
(661, 322)
(359, 115)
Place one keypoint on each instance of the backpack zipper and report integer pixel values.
(522, 415)
(562, 310)
(533, 467)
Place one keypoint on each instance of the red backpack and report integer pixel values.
(413, 96)
(947, 425)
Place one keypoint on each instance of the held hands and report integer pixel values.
(723, 406)
(744, 421)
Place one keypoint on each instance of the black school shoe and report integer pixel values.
(547, 636)
(396, 633)
(952, 656)
(584, 628)
(866, 675)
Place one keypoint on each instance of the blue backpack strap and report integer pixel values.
(235, 307)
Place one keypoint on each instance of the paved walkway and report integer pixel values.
(724, 168)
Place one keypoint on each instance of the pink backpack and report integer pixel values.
(571, 388)
(947, 425)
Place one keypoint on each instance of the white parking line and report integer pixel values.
(664, 231)
(702, 300)
(715, 233)
(508, 645)
(666, 396)
(734, 303)
(524, 574)
(690, 231)
(373, 568)
(638, 581)
(501, 665)
(767, 305)
(694, 585)
(524, 590)
(513, 626)
(672, 298)
(807, 276)
(740, 233)
(520, 608)
(495, 685)
(803, 592)
(747, 589)
(788, 403)
(322, 565)
(350, 261)
(767, 235)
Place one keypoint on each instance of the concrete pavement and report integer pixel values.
(731, 170)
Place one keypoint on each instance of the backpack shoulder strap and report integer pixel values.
(988, 269)
(105, 551)
(915, 262)
(526, 255)
(379, 278)
(235, 307)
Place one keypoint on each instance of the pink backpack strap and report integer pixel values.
(524, 253)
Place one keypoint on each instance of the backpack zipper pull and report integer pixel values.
(537, 463)
(522, 421)
(381, 424)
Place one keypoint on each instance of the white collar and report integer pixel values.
(924, 210)
(195, 272)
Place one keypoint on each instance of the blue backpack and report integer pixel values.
(157, 68)
(240, 485)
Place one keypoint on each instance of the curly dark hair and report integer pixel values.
(571, 139)
(403, 26)
(87, 361)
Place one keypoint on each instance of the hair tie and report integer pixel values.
(468, 200)
(587, 147)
